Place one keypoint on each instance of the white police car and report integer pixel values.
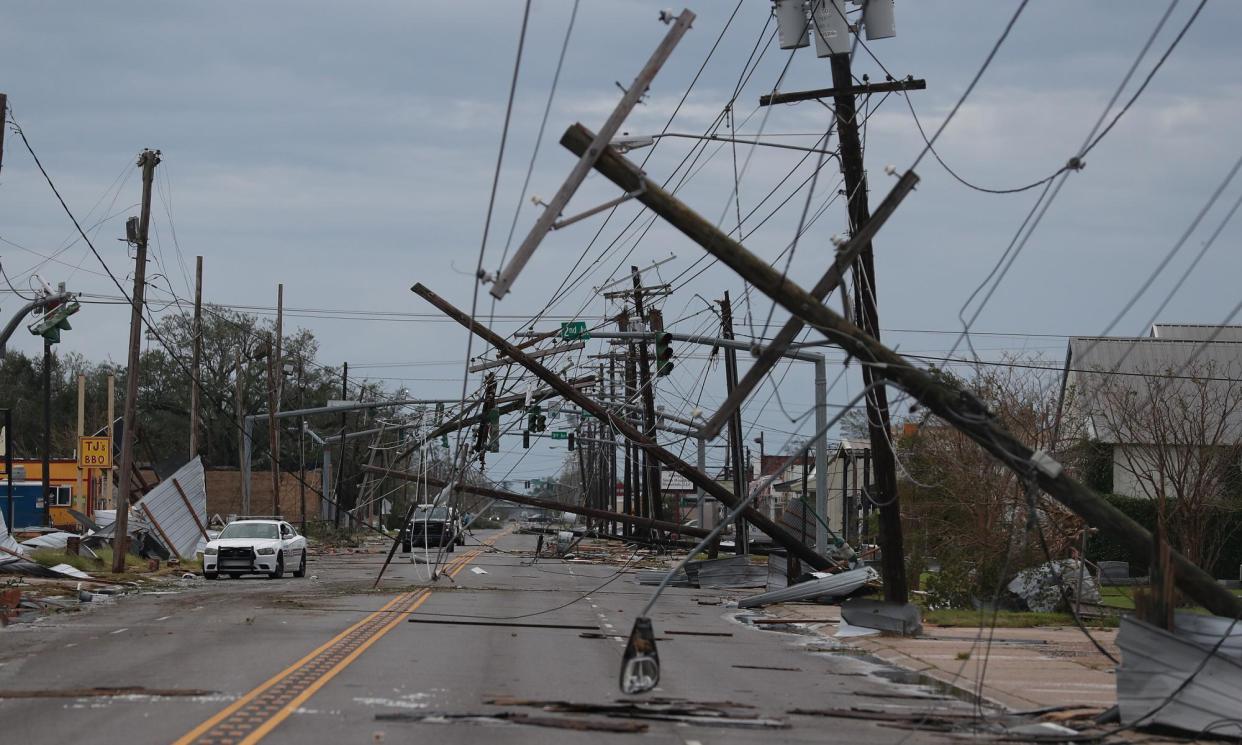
(255, 546)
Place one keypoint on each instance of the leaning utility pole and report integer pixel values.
(741, 536)
(147, 161)
(197, 361)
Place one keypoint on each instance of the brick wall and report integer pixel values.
(224, 493)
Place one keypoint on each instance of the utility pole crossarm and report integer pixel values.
(891, 86)
(626, 429)
(952, 404)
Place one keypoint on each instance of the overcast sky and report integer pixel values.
(347, 150)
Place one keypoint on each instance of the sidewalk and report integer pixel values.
(1026, 668)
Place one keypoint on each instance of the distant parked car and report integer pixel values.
(255, 546)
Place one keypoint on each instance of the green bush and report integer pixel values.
(1101, 547)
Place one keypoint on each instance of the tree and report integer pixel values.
(966, 509)
(1175, 437)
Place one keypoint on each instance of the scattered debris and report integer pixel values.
(506, 624)
(850, 631)
(104, 691)
(478, 570)
(1047, 587)
(894, 618)
(726, 714)
(699, 633)
(513, 717)
(769, 667)
(823, 586)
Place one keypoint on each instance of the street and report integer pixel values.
(324, 659)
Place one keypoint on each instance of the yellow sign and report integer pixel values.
(94, 452)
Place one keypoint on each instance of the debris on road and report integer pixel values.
(727, 714)
(513, 717)
(104, 691)
(826, 587)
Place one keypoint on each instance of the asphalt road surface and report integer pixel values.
(327, 660)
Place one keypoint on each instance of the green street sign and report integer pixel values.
(560, 435)
(574, 331)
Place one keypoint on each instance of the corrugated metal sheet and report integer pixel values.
(732, 571)
(169, 509)
(8, 543)
(799, 520)
(1102, 369)
(1196, 332)
(1180, 680)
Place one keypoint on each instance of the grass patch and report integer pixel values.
(50, 557)
(1006, 619)
(1118, 597)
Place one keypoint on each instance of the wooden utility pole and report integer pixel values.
(340, 469)
(741, 536)
(778, 534)
(275, 371)
(108, 493)
(147, 161)
(651, 466)
(892, 544)
(273, 436)
(4, 117)
(197, 361)
(302, 449)
(949, 402)
(239, 394)
(630, 473)
(77, 487)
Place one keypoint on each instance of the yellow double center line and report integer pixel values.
(249, 719)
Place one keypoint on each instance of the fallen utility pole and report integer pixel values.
(759, 520)
(553, 210)
(637, 521)
(958, 407)
(147, 161)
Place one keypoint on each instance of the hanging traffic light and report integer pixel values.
(664, 353)
(493, 431)
(526, 438)
(55, 319)
(571, 441)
